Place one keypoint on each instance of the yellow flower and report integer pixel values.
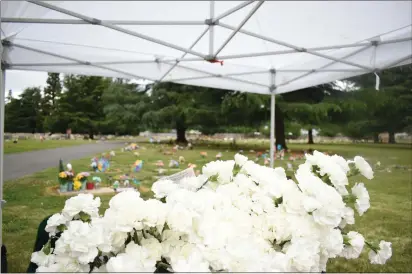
(77, 184)
(63, 175)
(79, 177)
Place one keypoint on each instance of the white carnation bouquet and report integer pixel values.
(237, 216)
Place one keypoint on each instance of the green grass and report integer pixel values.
(30, 145)
(389, 218)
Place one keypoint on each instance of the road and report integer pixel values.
(21, 164)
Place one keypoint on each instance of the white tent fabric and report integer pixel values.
(306, 43)
(266, 47)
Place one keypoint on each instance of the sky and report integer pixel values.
(17, 80)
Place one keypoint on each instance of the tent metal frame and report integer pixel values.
(212, 22)
(2, 112)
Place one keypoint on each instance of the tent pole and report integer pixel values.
(2, 105)
(232, 10)
(272, 117)
(324, 66)
(96, 21)
(220, 76)
(113, 22)
(291, 51)
(85, 63)
(300, 49)
(183, 55)
(237, 29)
(211, 29)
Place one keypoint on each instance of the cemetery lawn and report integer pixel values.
(31, 144)
(31, 199)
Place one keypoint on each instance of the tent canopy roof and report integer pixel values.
(304, 43)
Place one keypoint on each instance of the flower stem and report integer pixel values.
(202, 185)
(372, 247)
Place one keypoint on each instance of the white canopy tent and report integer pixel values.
(266, 47)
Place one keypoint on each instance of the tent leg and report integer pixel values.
(2, 105)
(272, 90)
(211, 29)
(272, 129)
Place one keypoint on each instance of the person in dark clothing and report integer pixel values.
(41, 239)
(3, 259)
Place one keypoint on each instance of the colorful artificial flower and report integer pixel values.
(77, 185)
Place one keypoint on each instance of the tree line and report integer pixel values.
(91, 105)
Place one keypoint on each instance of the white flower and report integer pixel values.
(332, 168)
(135, 259)
(41, 259)
(240, 159)
(125, 199)
(311, 204)
(303, 254)
(180, 218)
(384, 253)
(255, 221)
(362, 198)
(163, 188)
(54, 221)
(125, 213)
(211, 168)
(79, 242)
(81, 203)
(348, 217)
(101, 269)
(323, 261)
(64, 264)
(194, 263)
(54, 268)
(331, 242)
(153, 247)
(363, 166)
(341, 162)
(191, 183)
(354, 246)
(154, 213)
(222, 169)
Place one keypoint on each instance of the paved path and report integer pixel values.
(21, 164)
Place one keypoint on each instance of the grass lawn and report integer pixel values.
(31, 199)
(29, 145)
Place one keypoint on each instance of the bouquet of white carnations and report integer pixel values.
(237, 216)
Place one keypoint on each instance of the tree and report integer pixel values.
(51, 94)
(80, 106)
(124, 106)
(24, 114)
(310, 107)
(252, 110)
(182, 106)
(389, 108)
(12, 119)
(9, 96)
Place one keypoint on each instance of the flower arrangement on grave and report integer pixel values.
(173, 164)
(65, 177)
(182, 159)
(96, 181)
(137, 166)
(159, 163)
(80, 181)
(237, 216)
